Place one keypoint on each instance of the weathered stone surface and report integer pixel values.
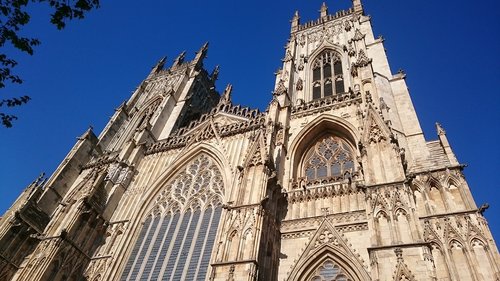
(334, 181)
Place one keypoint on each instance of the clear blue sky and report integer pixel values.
(449, 50)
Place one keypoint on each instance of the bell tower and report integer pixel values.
(354, 148)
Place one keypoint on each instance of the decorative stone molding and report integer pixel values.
(326, 104)
(324, 188)
(402, 272)
(299, 86)
(352, 227)
(288, 56)
(296, 235)
(224, 131)
(281, 89)
(356, 217)
(327, 242)
(357, 36)
(362, 60)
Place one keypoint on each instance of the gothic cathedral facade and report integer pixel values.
(333, 181)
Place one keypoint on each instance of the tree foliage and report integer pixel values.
(13, 16)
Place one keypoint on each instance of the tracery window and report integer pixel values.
(329, 271)
(327, 76)
(177, 237)
(329, 157)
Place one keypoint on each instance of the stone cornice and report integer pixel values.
(451, 214)
(179, 141)
(402, 245)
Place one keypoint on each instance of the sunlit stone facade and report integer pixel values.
(333, 181)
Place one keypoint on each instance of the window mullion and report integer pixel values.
(333, 78)
(322, 81)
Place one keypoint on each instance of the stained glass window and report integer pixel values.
(329, 157)
(327, 75)
(177, 238)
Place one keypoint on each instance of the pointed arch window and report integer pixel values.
(327, 75)
(177, 237)
(330, 157)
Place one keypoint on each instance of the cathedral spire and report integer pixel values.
(295, 21)
(226, 96)
(180, 59)
(443, 139)
(202, 53)
(159, 66)
(215, 73)
(440, 130)
(323, 11)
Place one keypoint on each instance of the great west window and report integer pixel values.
(177, 237)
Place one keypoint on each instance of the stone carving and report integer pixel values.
(281, 89)
(181, 138)
(302, 39)
(147, 113)
(363, 60)
(255, 155)
(351, 51)
(288, 56)
(326, 237)
(354, 70)
(347, 26)
(402, 272)
(357, 36)
(326, 104)
(280, 137)
(302, 61)
(285, 75)
(299, 86)
(325, 32)
(376, 135)
(119, 173)
(96, 268)
(102, 160)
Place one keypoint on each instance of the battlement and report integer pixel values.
(328, 18)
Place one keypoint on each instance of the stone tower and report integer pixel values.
(333, 181)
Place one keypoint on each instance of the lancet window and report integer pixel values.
(330, 157)
(329, 271)
(177, 237)
(327, 76)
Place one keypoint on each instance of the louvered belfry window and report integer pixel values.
(329, 157)
(327, 76)
(177, 237)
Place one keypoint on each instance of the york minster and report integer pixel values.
(333, 180)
